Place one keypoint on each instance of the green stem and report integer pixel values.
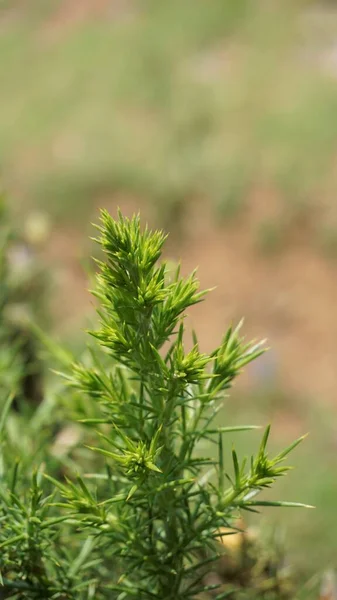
(20, 585)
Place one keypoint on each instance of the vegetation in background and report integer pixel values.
(22, 295)
(224, 101)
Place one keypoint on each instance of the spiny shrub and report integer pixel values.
(147, 522)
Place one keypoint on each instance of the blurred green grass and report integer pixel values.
(171, 102)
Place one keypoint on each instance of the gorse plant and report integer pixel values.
(158, 403)
(143, 516)
(34, 562)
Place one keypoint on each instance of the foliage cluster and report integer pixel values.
(135, 504)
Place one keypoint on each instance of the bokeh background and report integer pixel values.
(218, 121)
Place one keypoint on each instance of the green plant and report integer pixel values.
(38, 558)
(150, 519)
(167, 501)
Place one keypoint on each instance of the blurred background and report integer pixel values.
(217, 120)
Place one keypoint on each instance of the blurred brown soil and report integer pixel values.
(71, 13)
